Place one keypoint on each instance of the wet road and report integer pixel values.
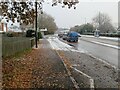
(103, 52)
(76, 55)
(106, 53)
(106, 40)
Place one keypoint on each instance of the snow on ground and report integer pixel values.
(109, 38)
(59, 45)
(108, 45)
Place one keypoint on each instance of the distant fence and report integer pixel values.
(12, 45)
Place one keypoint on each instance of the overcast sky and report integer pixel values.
(86, 10)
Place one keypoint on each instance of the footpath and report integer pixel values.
(40, 68)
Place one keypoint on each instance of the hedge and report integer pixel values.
(105, 34)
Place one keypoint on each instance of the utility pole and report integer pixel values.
(119, 14)
(99, 21)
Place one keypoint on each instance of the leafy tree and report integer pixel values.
(25, 12)
(103, 23)
(88, 28)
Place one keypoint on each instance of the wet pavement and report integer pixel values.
(57, 65)
(104, 75)
(53, 73)
(40, 68)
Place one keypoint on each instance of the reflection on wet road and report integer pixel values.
(103, 52)
(106, 53)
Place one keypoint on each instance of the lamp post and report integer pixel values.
(40, 7)
(36, 25)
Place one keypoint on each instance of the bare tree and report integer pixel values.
(47, 21)
(103, 23)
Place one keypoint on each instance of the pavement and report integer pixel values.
(41, 68)
(49, 68)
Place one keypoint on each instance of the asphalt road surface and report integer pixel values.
(78, 56)
(101, 51)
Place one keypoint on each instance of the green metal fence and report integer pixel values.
(12, 45)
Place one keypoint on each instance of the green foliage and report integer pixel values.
(9, 34)
(13, 34)
(106, 34)
(30, 33)
(110, 34)
(39, 35)
(84, 28)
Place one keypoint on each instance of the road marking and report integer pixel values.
(113, 46)
(104, 44)
(76, 85)
(113, 66)
(73, 80)
(69, 73)
(76, 65)
(90, 78)
(69, 48)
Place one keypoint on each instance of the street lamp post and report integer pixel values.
(36, 25)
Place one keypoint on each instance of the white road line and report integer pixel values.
(69, 73)
(76, 85)
(81, 72)
(113, 46)
(90, 78)
(69, 48)
(113, 66)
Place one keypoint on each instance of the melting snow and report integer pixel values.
(59, 45)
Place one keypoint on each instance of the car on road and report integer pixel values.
(72, 37)
(64, 37)
(60, 35)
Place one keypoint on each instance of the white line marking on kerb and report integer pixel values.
(76, 85)
(90, 78)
